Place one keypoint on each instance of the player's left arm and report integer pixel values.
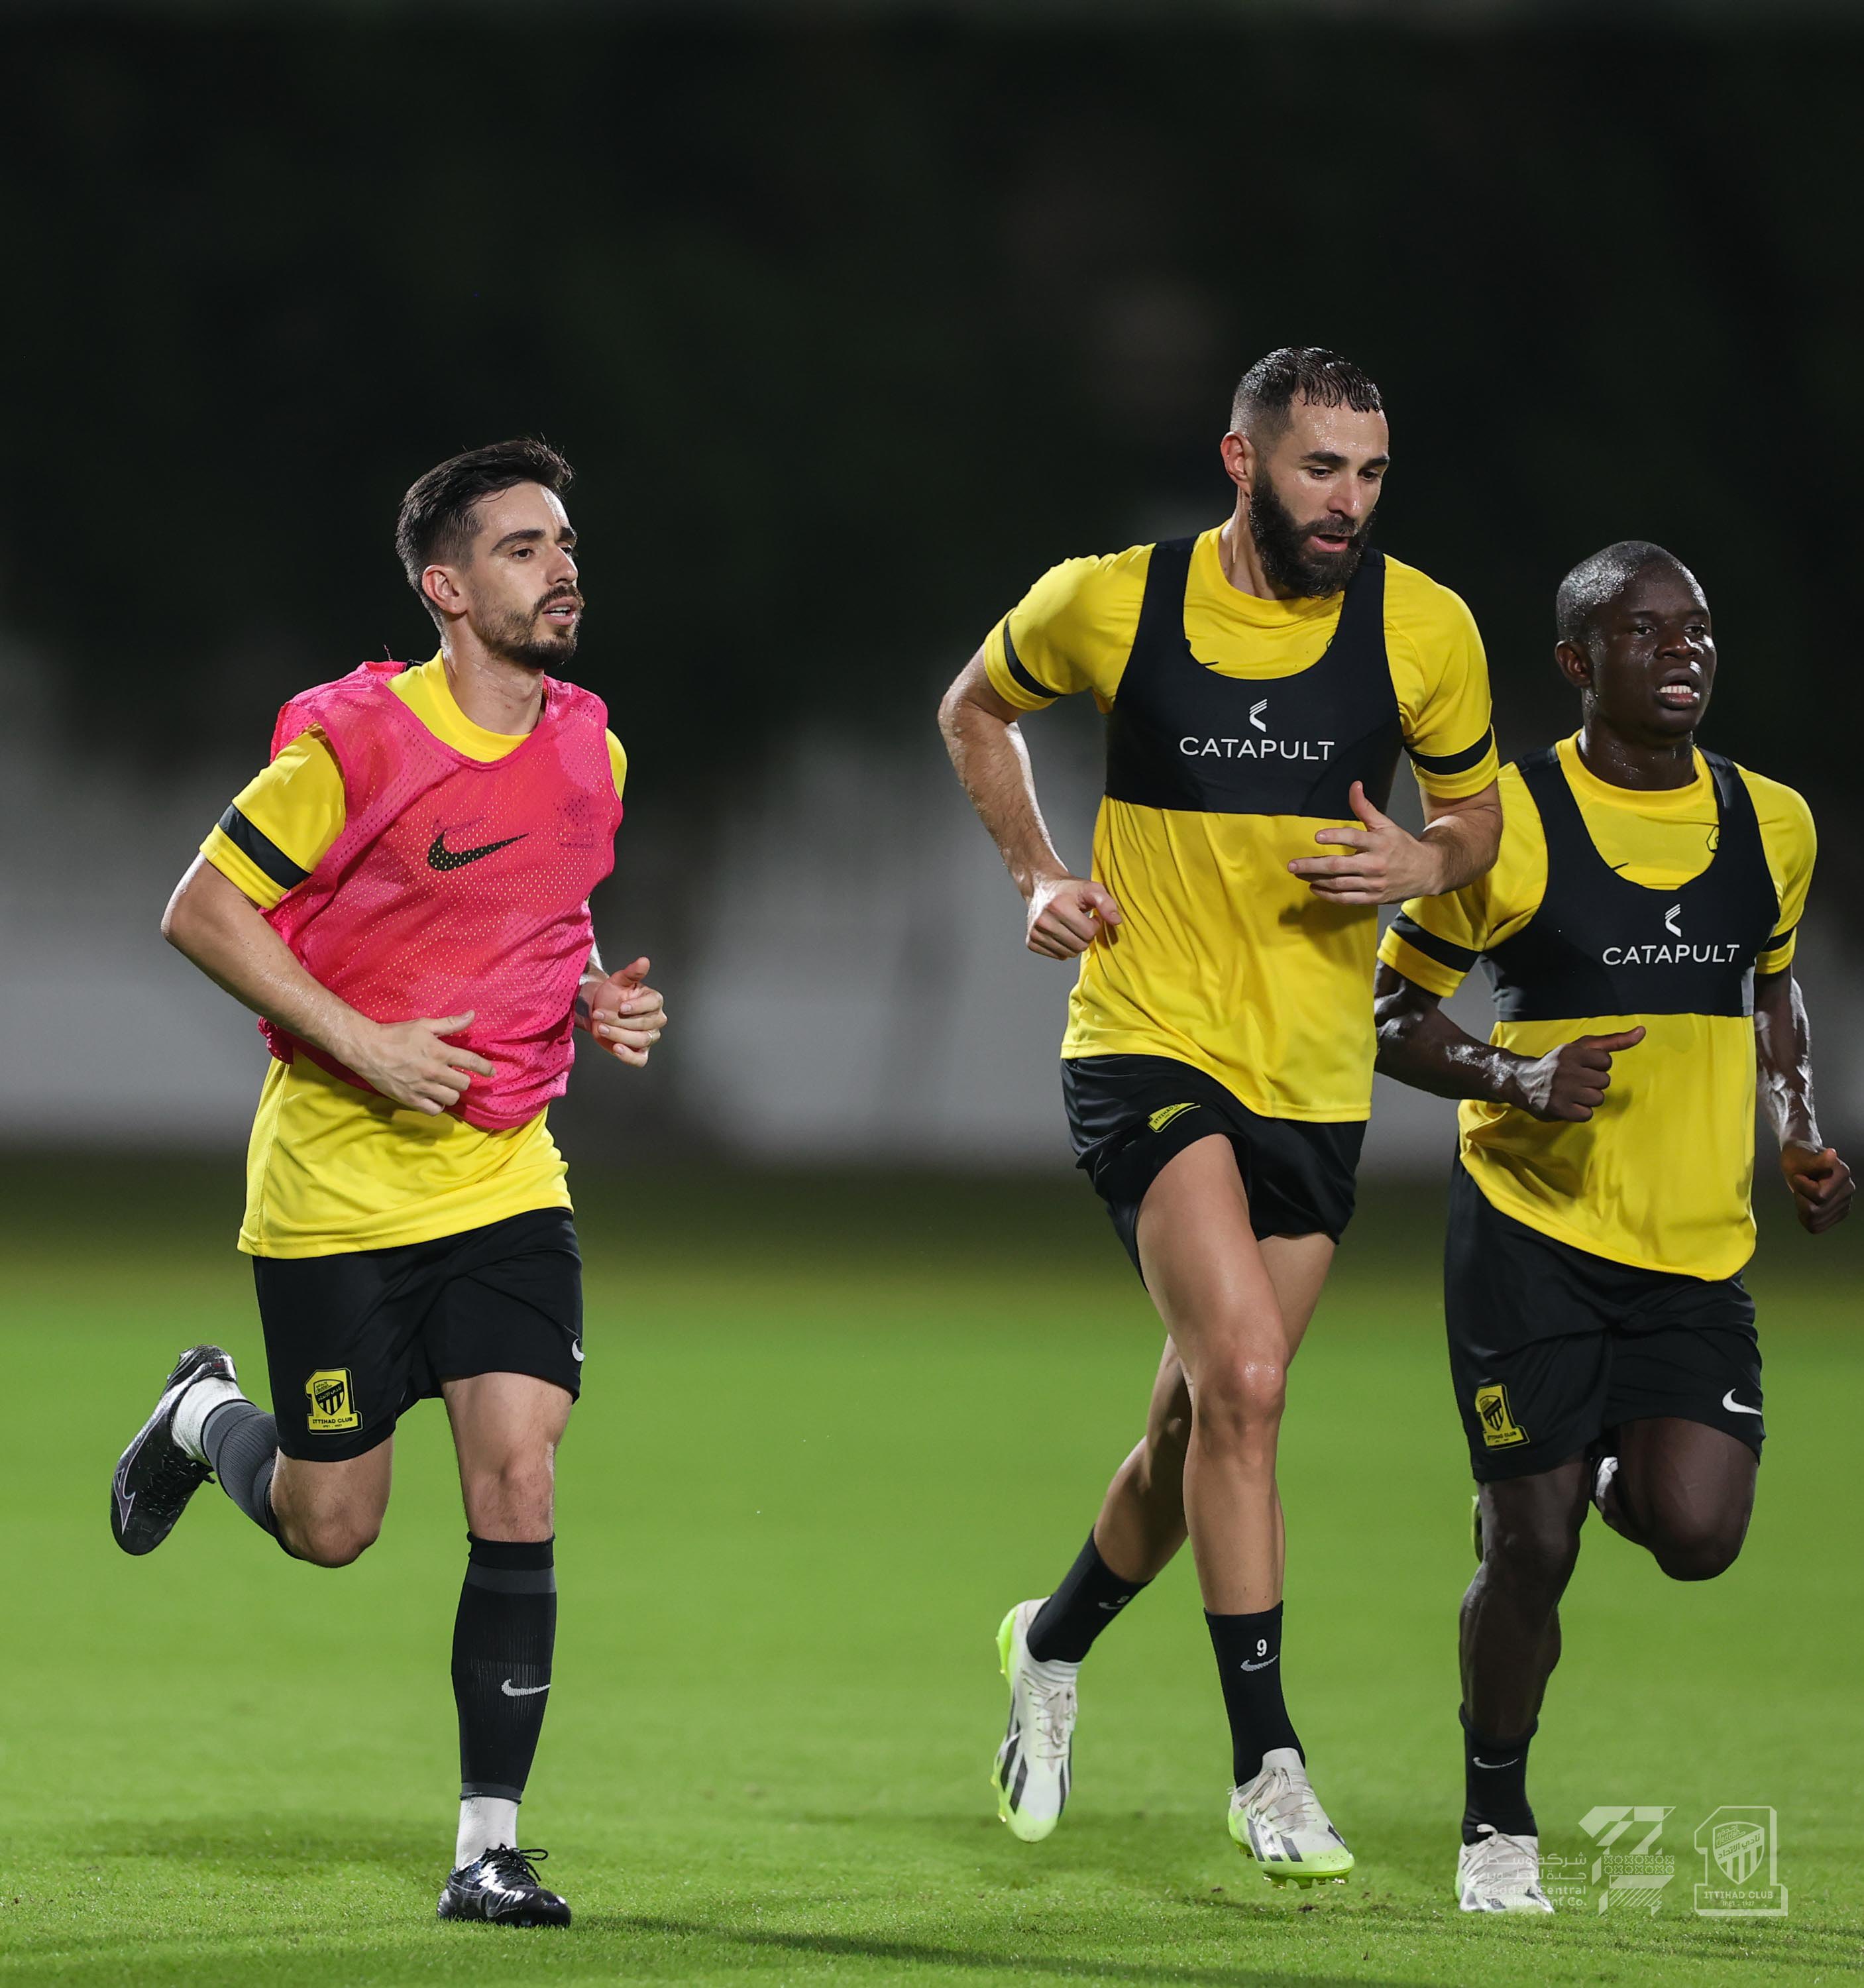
(622, 1014)
(1388, 863)
(1821, 1182)
(1441, 679)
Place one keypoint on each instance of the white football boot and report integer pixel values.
(1031, 1773)
(1500, 1874)
(1278, 1821)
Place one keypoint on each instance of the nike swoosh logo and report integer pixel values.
(1481, 1763)
(1264, 1665)
(1735, 1407)
(439, 857)
(576, 1352)
(522, 1690)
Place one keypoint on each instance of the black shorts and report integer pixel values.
(1129, 1115)
(353, 1340)
(1551, 1346)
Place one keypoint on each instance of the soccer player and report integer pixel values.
(1258, 681)
(402, 896)
(1638, 926)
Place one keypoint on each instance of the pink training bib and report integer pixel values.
(456, 884)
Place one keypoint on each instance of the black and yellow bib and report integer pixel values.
(1183, 737)
(1600, 944)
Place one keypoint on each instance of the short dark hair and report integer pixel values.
(437, 520)
(1266, 391)
(1595, 583)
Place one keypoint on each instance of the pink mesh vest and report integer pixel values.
(456, 884)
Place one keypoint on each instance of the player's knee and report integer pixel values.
(334, 1539)
(1695, 1551)
(1530, 1549)
(1238, 1400)
(512, 1500)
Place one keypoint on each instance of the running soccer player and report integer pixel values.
(1639, 927)
(402, 896)
(1258, 681)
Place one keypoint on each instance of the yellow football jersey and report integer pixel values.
(330, 1167)
(1225, 961)
(1660, 1176)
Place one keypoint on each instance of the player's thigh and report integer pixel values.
(1687, 1490)
(1204, 1266)
(1530, 1524)
(506, 1427)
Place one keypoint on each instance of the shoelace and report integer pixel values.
(519, 1864)
(1053, 1707)
(1503, 1862)
(1285, 1803)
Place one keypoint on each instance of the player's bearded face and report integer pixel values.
(1290, 548)
(535, 631)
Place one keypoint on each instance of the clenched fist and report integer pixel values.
(1571, 1082)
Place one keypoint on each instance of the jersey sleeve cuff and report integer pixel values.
(1452, 776)
(1777, 959)
(239, 870)
(1398, 951)
(1008, 677)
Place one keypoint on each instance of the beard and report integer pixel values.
(522, 635)
(1288, 552)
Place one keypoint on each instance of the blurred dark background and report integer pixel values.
(855, 320)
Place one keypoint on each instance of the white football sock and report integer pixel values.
(485, 1823)
(197, 1404)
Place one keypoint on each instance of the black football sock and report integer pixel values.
(503, 1637)
(1495, 1783)
(1089, 1597)
(1249, 1662)
(241, 1443)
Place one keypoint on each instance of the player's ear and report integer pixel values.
(1574, 664)
(440, 584)
(1239, 455)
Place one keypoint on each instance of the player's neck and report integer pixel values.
(494, 693)
(1620, 762)
(1241, 561)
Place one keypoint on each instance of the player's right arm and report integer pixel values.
(1419, 1045)
(1065, 913)
(277, 831)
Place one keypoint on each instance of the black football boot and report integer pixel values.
(155, 1477)
(501, 1888)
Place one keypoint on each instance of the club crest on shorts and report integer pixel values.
(1500, 1429)
(331, 1401)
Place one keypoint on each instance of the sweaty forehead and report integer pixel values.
(1314, 427)
(1658, 588)
(525, 507)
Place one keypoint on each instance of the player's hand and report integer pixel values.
(624, 1014)
(1387, 864)
(412, 1063)
(1068, 914)
(1571, 1082)
(1822, 1185)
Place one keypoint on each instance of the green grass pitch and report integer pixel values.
(832, 1429)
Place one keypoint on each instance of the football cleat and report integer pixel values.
(155, 1477)
(1500, 1874)
(1031, 1773)
(1278, 1821)
(501, 1888)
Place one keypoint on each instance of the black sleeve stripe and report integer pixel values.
(1779, 939)
(1457, 762)
(261, 850)
(1458, 958)
(1017, 671)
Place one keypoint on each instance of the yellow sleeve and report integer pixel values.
(1442, 677)
(1792, 843)
(1436, 940)
(1072, 630)
(282, 823)
(617, 763)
